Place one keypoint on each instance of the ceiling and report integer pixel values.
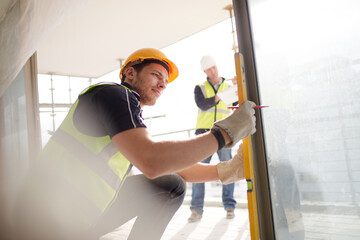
(90, 42)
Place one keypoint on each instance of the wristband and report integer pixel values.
(219, 137)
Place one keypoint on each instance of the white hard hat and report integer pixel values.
(207, 62)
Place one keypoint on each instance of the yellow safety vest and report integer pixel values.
(206, 118)
(87, 173)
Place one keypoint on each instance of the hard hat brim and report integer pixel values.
(150, 53)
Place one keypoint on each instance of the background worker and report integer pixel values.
(81, 183)
(211, 109)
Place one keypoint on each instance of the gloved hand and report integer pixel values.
(239, 124)
(232, 170)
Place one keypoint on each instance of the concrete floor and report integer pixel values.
(213, 226)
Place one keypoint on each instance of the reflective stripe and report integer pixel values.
(108, 151)
(129, 108)
(202, 87)
(225, 111)
(98, 166)
(212, 110)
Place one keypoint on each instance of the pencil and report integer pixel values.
(235, 107)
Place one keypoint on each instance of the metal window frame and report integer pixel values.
(32, 106)
(245, 46)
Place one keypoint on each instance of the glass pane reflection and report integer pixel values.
(308, 67)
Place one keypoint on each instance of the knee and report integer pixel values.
(173, 184)
(179, 189)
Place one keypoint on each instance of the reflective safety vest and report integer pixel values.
(84, 172)
(206, 118)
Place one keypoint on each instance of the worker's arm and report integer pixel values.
(202, 102)
(159, 158)
(200, 172)
(228, 171)
(155, 159)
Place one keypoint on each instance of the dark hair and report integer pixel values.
(138, 67)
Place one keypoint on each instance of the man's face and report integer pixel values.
(150, 82)
(212, 73)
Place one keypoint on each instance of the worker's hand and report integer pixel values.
(239, 124)
(232, 170)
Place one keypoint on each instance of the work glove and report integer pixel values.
(232, 170)
(239, 124)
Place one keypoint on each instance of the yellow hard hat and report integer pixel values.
(150, 53)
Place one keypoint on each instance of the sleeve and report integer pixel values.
(118, 109)
(202, 102)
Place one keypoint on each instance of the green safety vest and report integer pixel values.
(206, 118)
(89, 170)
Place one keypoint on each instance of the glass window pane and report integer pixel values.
(77, 85)
(44, 86)
(110, 77)
(46, 123)
(50, 121)
(308, 64)
(61, 89)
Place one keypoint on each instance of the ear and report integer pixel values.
(130, 74)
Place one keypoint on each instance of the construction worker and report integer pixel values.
(80, 188)
(211, 109)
